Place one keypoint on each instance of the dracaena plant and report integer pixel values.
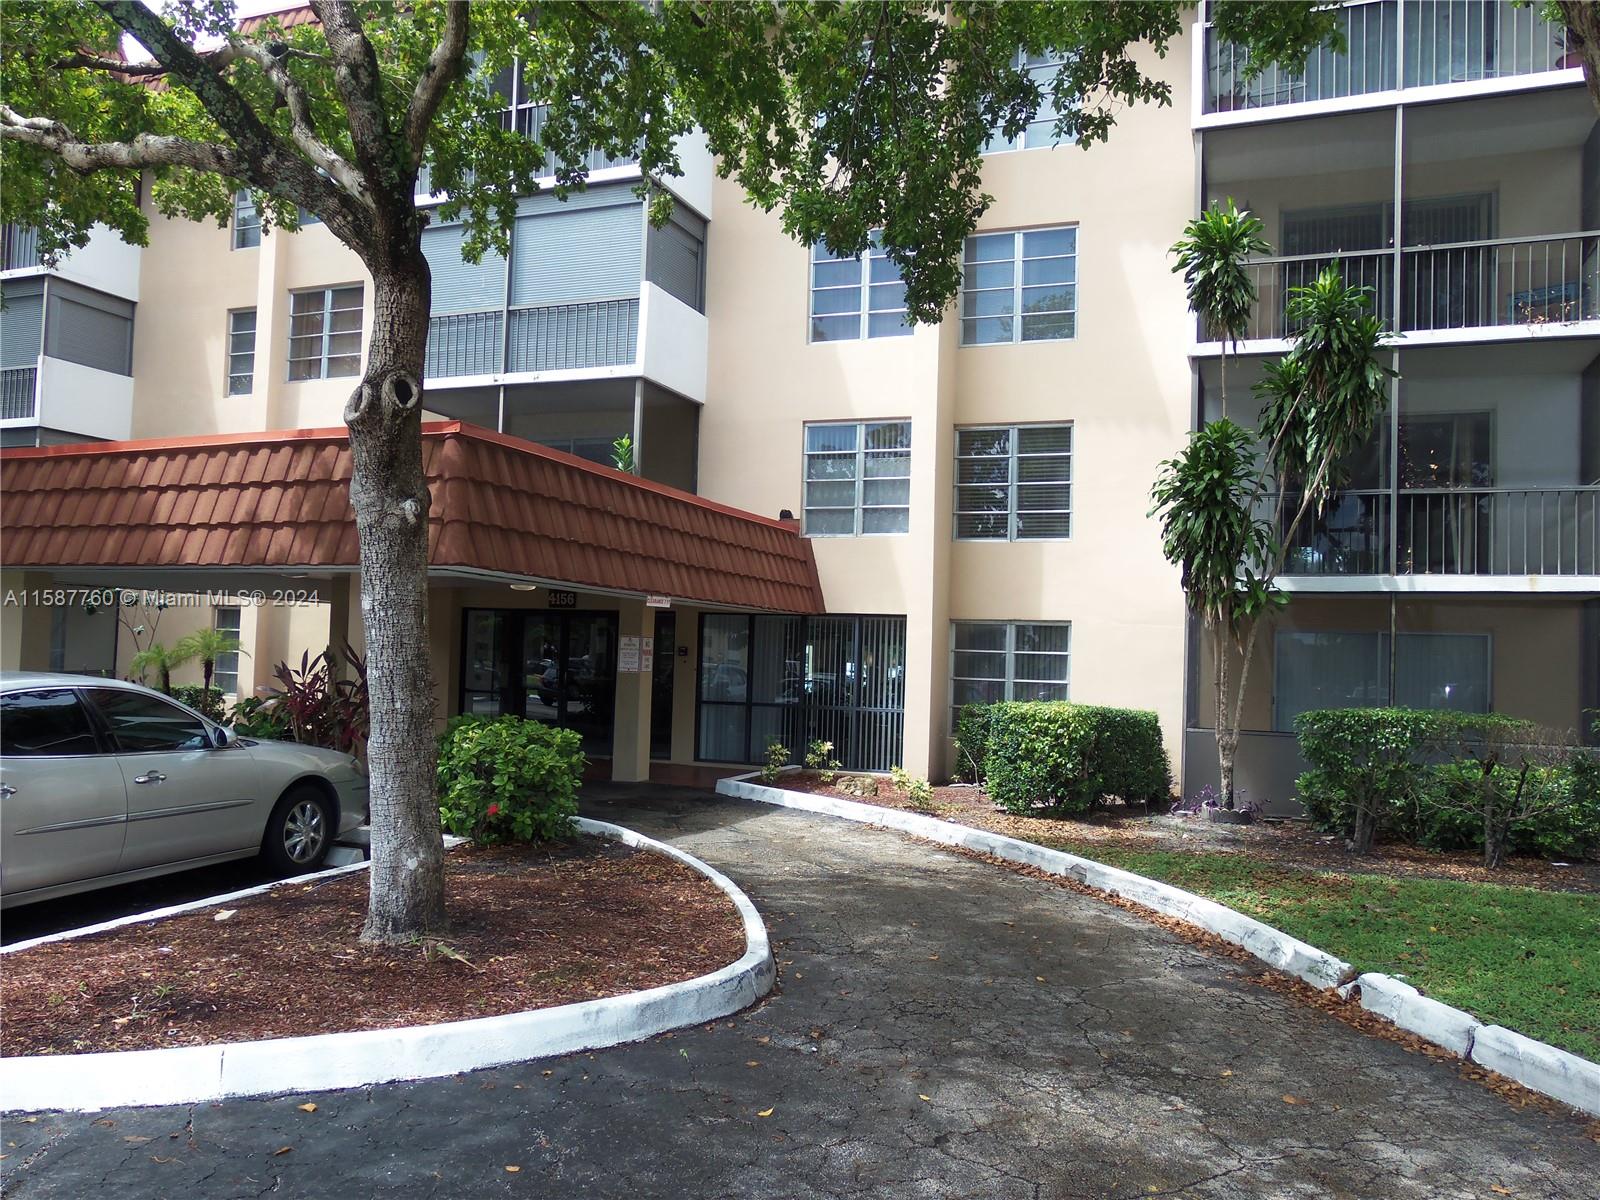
(1213, 256)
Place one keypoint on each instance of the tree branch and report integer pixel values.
(355, 73)
(298, 103)
(116, 66)
(443, 68)
(146, 150)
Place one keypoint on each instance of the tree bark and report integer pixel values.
(1583, 34)
(390, 496)
(1365, 826)
(1227, 735)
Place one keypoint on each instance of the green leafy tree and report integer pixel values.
(1320, 403)
(207, 645)
(847, 117)
(156, 657)
(1213, 254)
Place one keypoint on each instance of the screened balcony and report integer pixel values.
(19, 387)
(19, 248)
(1391, 46)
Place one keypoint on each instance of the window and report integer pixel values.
(241, 352)
(1029, 273)
(1042, 69)
(856, 297)
(143, 724)
(1014, 482)
(858, 479)
(991, 661)
(325, 333)
(246, 221)
(225, 671)
(44, 724)
(1332, 669)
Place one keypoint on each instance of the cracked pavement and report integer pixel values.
(941, 1028)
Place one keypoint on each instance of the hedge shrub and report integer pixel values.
(506, 779)
(972, 741)
(1067, 758)
(1369, 766)
(207, 702)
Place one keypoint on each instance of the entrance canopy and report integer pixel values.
(502, 508)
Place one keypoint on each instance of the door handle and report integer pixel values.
(7, 790)
(150, 777)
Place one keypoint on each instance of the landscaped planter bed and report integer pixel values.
(536, 927)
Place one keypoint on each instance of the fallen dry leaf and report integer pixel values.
(512, 1170)
(1225, 1074)
(1498, 1190)
(156, 1158)
(1293, 1100)
(133, 1138)
(765, 1112)
(920, 1096)
(281, 1150)
(307, 1107)
(753, 1062)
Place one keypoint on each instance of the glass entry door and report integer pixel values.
(557, 668)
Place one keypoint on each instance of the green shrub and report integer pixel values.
(206, 701)
(1069, 757)
(777, 760)
(506, 779)
(819, 758)
(1564, 812)
(1369, 767)
(972, 741)
(253, 717)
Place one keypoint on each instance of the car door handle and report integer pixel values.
(150, 777)
(7, 790)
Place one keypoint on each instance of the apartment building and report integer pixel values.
(844, 527)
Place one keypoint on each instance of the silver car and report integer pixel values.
(104, 782)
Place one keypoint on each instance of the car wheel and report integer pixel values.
(300, 831)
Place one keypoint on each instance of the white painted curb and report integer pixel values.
(195, 1074)
(1536, 1065)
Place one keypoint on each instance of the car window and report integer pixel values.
(141, 723)
(44, 724)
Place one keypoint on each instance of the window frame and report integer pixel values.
(231, 374)
(246, 221)
(236, 632)
(1037, 71)
(109, 731)
(864, 312)
(1013, 483)
(859, 506)
(1010, 681)
(327, 333)
(1019, 284)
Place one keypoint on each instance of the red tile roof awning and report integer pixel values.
(500, 505)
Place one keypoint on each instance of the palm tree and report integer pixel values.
(164, 662)
(208, 645)
(1212, 254)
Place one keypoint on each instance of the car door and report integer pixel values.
(63, 805)
(187, 798)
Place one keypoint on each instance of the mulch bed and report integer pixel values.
(1294, 845)
(535, 927)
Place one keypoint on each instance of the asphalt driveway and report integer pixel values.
(942, 1028)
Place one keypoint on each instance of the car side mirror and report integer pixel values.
(223, 736)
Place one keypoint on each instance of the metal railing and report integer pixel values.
(1451, 531)
(529, 120)
(463, 344)
(19, 387)
(563, 337)
(1274, 277)
(1441, 41)
(19, 247)
(1509, 281)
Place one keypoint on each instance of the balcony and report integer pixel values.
(19, 248)
(19, 391)
(1527, 282)
(1393, 46)
(556, 337)
(1452, 532)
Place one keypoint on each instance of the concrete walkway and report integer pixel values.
(942, 1028)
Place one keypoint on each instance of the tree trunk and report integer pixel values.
(1582, 18)
(390, 496)
(1227, 735)
(1366, 825)
(1495, 837)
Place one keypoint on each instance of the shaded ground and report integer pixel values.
(942, 1028)
(530, 928)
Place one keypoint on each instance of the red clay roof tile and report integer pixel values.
(498, 504)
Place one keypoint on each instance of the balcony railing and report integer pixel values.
(19, 247)
(1453, 531)
(1512, 281)
(529, 120)
(463, 344)
(557, 337)
(1462, 285)
(18, 390)
(1441, 42)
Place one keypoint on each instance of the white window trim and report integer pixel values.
(242, 201)
(1017, 285)
(1010, 681)
(230, 353)
(328, 332)
(1012, 510)
(859, 506)
(238, 635)
(864, 286)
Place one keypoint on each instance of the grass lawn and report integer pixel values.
(1513, 956)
